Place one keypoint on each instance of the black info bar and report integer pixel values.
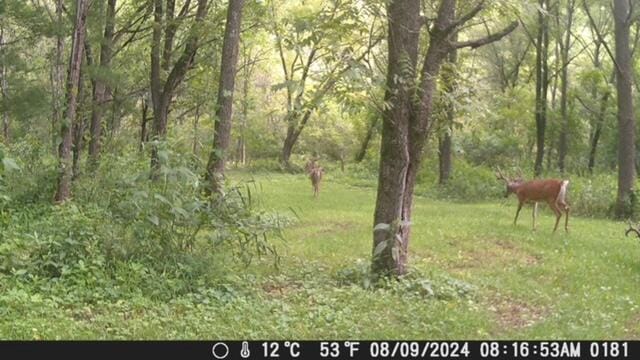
(335, 349)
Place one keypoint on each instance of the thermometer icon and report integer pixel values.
(244, 352)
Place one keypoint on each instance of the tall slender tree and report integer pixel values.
(162, 90)
(229, 61)
(626, 120)
(100, 85)
(445, 156)
(542, 83)
(565, 48)
(63, 190)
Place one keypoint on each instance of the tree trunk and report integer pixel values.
(63, 190)
(144, 129)
(4, 87)
(626, 122)
(162, 91)
(604, 101)
(222, 138)
(445, 159)
(79, 124)
(100, 87)
(407, 123)
(196, 121)
(563, 145)
(542, 83)
(57, 77)
(404, 30)
(373, 123)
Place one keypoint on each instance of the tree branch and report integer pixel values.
(464, 18)
(488, 39)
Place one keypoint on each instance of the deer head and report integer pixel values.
(512, 184)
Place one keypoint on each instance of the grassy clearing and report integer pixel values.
(520, 284)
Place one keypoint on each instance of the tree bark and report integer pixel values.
(100, 86)
(626, 122)
(144, 129)
(563, 144)
(542, 83)
(162, 91)
(4, 87)
(63, 190)
(407, 123)
(445, 156)
(229, 61)
(57, 78)
(371, 129)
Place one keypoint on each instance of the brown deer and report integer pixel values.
(551, 191)
(315, 174)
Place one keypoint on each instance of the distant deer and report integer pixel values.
(315, 174)
(551, 191)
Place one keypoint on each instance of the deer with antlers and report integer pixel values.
(551, 191)
(315, 172)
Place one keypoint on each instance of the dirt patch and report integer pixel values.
(515, 314)
(632, 327)
(494, 254)
(280, 289)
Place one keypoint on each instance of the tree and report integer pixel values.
(4, 86)
(63, 190)
(322, 53)
(222, 136)
(445, 160)
(626, 121)
(99, 84)
(407, 120)
(542, 83)
(162, 91)
(565, 47)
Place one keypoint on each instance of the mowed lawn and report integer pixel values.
(585, 284)
(519, 284)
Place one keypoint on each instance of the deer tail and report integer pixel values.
(562, 194)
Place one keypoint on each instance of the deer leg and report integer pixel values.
(555, 209)
(517, 213)
(535, 210)
(563, 205)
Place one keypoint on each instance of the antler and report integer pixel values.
(519, 174)
(632, 229)
(500, 176)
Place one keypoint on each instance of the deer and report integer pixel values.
(315, 172)
(551, 191)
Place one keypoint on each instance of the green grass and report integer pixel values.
(524, 284)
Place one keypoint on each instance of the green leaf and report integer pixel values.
(379, 248)
(381, 226)
(154, 220)
(9, 164)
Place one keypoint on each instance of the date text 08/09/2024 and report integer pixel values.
(445, 349)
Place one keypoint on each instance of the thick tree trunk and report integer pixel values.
(407, 123)
(222, 138)
(563, 145)
(542, 83)
(100, 87)
(404, 31)
(63, 190)
(445, 156)
(626, 121)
